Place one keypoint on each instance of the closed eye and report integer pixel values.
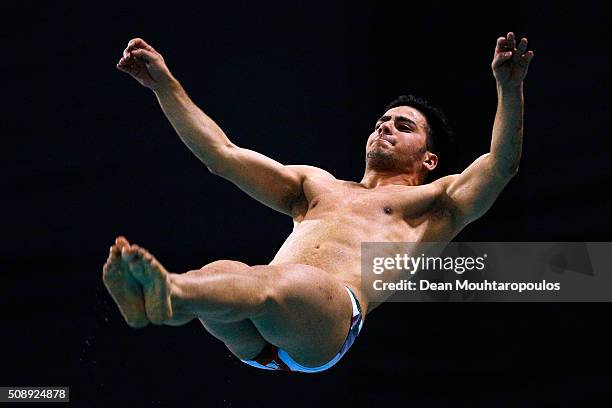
(405, 128)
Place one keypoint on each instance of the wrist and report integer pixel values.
(167, 87)
(510, 88)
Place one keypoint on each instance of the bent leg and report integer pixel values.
(298, 308)
(142, 289)
(309, 314)
(241, 337)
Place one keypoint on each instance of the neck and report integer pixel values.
(377, 178)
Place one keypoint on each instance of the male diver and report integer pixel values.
(303, 310)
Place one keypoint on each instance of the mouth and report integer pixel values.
(383, 139)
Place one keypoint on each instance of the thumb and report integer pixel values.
(501, 57)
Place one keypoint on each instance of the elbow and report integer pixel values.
(511, 170)
(216, 168)
(217, 163)
(213, 170)
(506, 168)
(507, 172)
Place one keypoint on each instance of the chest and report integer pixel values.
(388, 202)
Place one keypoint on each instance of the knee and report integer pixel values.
(218, 268)
(224, 265)
(275, 285)
(269, 283)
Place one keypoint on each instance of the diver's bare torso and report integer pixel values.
(337, 216)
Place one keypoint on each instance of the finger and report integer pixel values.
(144, 55)
(528, 56)
(137, 43)
(123, 62)
(133, 47)
(501, 44)
(511, 40)
(502, 57)
(140, 43)
(525, 59)
(130, 60)
(123, 68)
(127, 53)
(127, 67)
(522, 47)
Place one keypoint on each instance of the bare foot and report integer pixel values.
(154, 280)
(123, 288)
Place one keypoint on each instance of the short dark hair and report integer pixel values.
(439, 133)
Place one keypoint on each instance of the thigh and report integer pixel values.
(241, 337)
(308, 313)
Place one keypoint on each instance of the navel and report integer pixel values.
(388, 210)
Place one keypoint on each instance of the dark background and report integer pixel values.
(87, 155)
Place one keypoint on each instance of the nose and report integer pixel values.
(384, 128)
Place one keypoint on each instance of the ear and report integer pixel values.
(431, 161)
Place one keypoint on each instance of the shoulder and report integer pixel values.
(310, 171)
(310, 177)
(439, 189)
(444, 182)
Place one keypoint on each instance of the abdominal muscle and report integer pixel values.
(332, 242)
(323, 243)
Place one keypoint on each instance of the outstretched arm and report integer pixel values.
(266, 180)
(474, 190)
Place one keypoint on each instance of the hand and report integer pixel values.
(510, 63)
(146, 65)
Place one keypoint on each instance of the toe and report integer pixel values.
(140, 250)
(135, 265)
(128, 252)
(111, 266)
(148, 258)
(154, 280)
(120, 241)
(126, 292)
(114, 254)
(139, 254)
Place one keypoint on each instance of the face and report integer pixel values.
(399, 140)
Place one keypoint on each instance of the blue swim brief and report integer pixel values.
(274, 358)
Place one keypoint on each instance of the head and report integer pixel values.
(407, 138)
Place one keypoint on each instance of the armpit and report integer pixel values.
(299, 206)
(444, 207)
